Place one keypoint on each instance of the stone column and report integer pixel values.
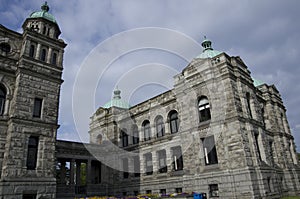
(60, 58)
(155, 164)
(49, 55)
(169, 158)
(38, 51)
(167, 127)
(72, 171)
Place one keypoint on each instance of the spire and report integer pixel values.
(45, 7)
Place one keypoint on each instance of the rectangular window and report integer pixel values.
(210, 152)
(163, 192)
(178, 190)
(177, 159)
(135, 137)
(136, 166)
(148, 163)
(37, 107)
(125, 168)
(213, 190)
(32, 152)
(162, 161)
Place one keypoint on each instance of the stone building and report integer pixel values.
(218, 131)
(30, 79)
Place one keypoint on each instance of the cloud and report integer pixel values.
(263, 33)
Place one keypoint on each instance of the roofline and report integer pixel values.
(151, 98)
(11, 31)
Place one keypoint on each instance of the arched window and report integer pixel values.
(124, 137)
(43, 55)
(44, 30)
(160, 127)
(147, 130)
(54, 59)
(2, 99)
(31, 51)
(174, 123)
(99, 139)
(135, 135)
(204, 109)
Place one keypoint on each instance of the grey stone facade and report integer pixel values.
(255, 150)
(30, 78)
(222, 134)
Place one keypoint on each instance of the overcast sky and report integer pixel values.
(265, 34)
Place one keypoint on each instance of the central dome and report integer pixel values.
(117, 101)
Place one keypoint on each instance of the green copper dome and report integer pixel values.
(208, 51)
(43, 13)
(117, 101)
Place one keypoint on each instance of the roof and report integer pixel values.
(43, 13)
(257, 82)
(117, 101)
(208, 51)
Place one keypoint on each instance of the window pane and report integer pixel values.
(2, 100)
(32, 153)
(204, 109)
(37, 108)
(148, 163)
(174, 122)
(43, 55)
(147, 130)
(54, 59)
(31, 51)
(210, 152)
(177, 158)
(136, 166)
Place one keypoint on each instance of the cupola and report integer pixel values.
(43, 22)
(208, 51)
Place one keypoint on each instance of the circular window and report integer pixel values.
(5, 47)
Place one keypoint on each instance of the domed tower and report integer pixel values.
(29, 100)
